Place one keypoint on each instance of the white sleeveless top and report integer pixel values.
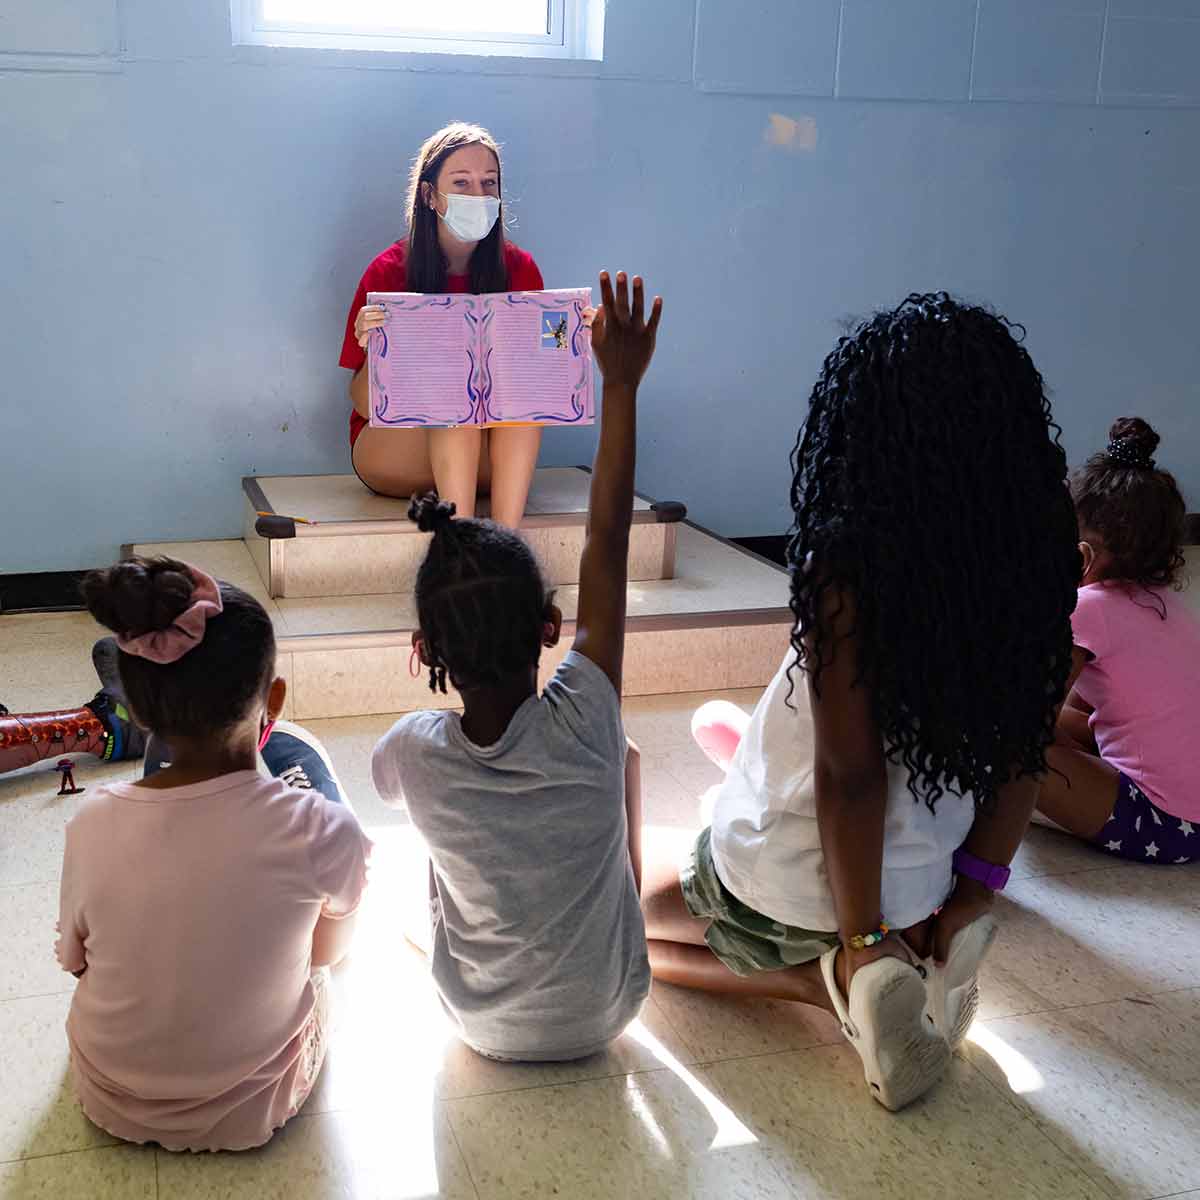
(765, 843)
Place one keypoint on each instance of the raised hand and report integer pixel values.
(622, 339)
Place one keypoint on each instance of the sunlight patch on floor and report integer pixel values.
(1021, 1074)
(730, 1131)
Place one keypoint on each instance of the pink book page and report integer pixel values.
(423, 364)
(538, 358)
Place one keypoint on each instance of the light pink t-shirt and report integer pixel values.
(193, 909)
(1144, 683)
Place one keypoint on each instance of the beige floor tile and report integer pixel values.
(27, 963)
(1074, 939)
(652, 1136)
(1048, 852)
(118, 1173)
(408, 1036)
(400, 1150)
(33, 817)
(812, 1113)
(46, 660)
(663, 724)
(666, 802)
(38, 1110)
(1113, 1084)
(694, 772)
(719, 1027)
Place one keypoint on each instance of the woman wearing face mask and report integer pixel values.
(455, 243)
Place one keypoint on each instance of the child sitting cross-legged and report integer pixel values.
(1126, 766)
(200, 905)
(538, 949)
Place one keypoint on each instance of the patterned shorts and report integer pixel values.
(1140, 831)
(743, 939)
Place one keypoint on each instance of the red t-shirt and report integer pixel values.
(387, 274)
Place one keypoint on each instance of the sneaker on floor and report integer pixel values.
(123, 739)
(298, 758)
(903, 1056)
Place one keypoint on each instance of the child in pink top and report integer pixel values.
(199, 904)
(1126, 768)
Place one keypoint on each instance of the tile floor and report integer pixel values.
(1082, 1080)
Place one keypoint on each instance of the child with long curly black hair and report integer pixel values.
(1126, 767)
(873, 801)
(538, 948)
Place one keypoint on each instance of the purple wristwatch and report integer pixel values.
(991, 876)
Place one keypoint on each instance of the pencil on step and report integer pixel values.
(285, 517)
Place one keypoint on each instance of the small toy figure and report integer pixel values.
(67, 767)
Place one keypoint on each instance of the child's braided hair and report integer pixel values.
(482, 603)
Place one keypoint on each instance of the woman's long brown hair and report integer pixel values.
(426, 268)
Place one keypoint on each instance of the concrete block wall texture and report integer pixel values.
(183, 222)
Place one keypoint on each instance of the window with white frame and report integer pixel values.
(522, 28)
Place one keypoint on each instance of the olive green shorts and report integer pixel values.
(744, 940)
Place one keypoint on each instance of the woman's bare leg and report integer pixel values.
(1079, 792)
(454, 455)
(396, 462)
(514, 453)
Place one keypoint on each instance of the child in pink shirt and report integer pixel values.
(1126, 770)
(199, 904)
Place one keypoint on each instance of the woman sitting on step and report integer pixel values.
(455, 243)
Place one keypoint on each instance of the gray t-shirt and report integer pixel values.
(539, 951)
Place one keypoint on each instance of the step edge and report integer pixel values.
(292, 643)
(403, 527)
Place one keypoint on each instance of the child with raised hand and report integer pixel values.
(537, 944)
(873, 801)
(1126, 766)
(199, 905)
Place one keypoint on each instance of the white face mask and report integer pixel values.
(470, 218)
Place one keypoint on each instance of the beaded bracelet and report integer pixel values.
(860, 941)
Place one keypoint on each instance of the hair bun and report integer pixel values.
(139, 595)
(431, 514)
(1132, 443)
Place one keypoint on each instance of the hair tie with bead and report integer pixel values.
(1127, 453)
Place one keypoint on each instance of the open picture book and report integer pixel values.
(506, 357)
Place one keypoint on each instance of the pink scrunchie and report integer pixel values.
(186, 632)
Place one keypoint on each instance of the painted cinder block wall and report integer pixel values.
(184, 222)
